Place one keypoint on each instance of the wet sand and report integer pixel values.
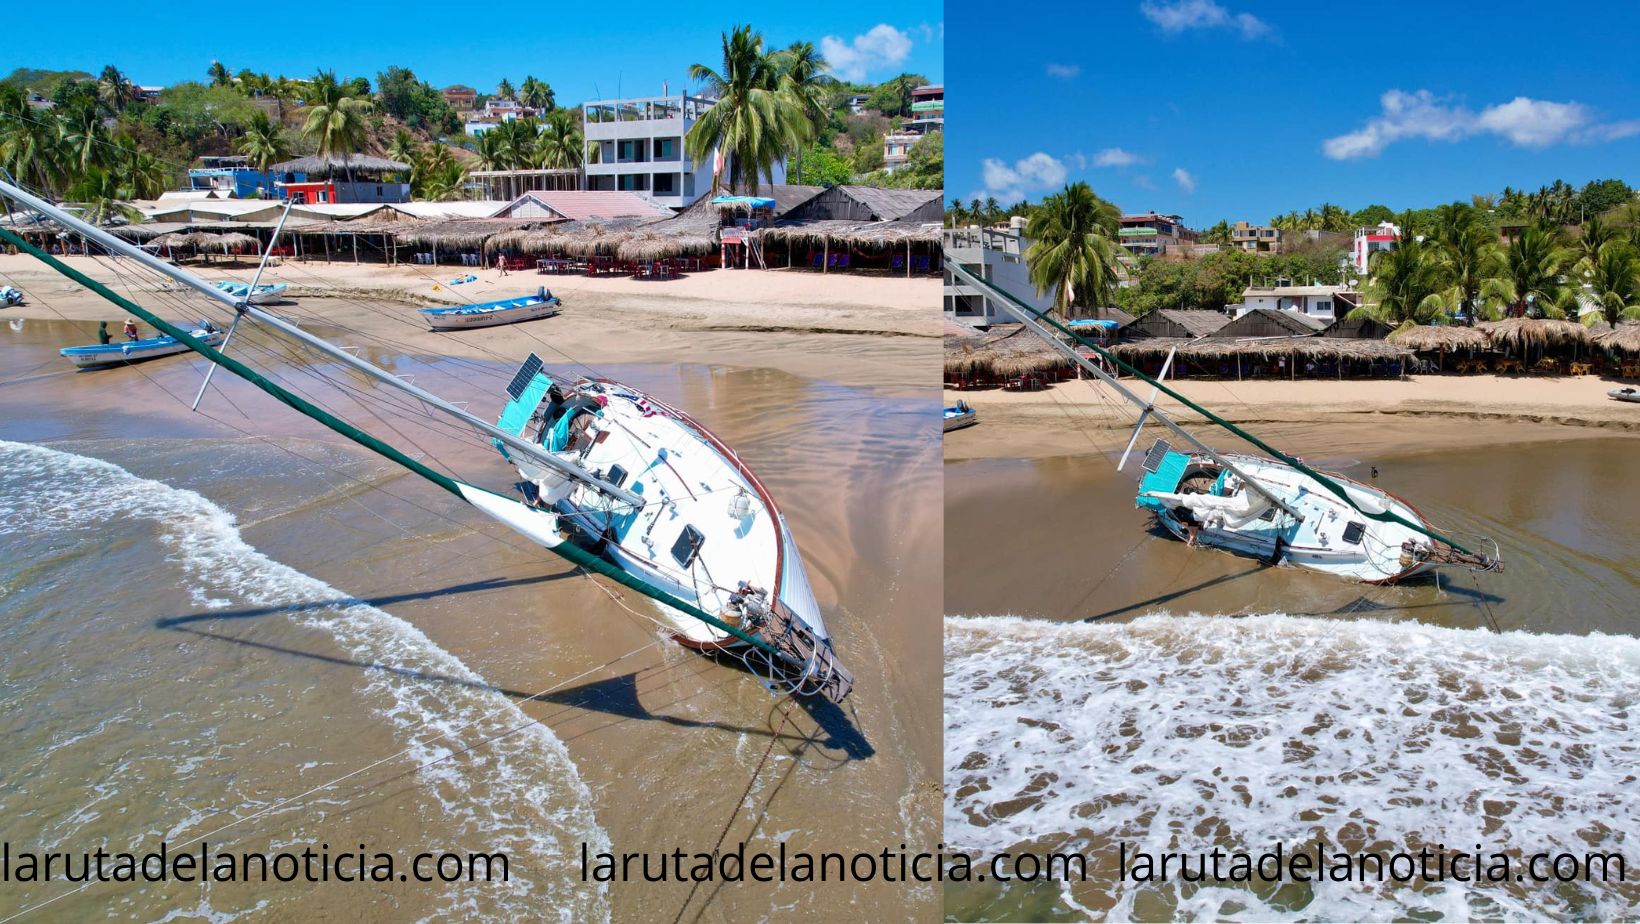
(669, 744)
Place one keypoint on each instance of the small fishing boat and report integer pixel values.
(1272, 507)
(1625, 394)
(132, 351)
(542, 304)
(10, 296)
(263, 295)
(960, 416)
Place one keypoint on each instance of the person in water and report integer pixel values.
(102, 333)
(131, 330)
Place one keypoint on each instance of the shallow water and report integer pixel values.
(1182, 699)
(247, 566)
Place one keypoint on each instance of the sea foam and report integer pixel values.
(518, 791)
(1186, 732)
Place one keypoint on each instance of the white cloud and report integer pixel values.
(931, 33)
(1116, 157)
(1012, 182)
(1523, 121)
(1182, 177)
(881, 48)
(1063, 71)
(1533, 123)
(1176, 16)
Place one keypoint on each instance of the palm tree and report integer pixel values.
(437, 175)
(405, 148)
(335, 120)
(754, 125)
(82, 131)
(1615, 278)
(219, 75)
(505, 90)
(1073, 248)
(264, 143)
(101, 194)
(537, 95)
(805, 83)
(1470, 258)
(114, 90)
(559, 146)
(1596, 235)
(1531, 275)
(1406, 285)
(31, 148)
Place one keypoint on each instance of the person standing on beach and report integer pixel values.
(501, 263)
(131, 330)
(102, 333)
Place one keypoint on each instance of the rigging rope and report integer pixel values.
(1385, 516)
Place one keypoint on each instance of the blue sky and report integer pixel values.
(626, 48)
(1238, 109)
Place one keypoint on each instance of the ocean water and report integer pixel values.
(130, 720)
(1189, 731)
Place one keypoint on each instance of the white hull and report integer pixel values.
(655, 451)
(1332, 538)
(492, 318)
(1625, 394)
(958, 421)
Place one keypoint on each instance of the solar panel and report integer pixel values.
(521, 380)
(1155, 455)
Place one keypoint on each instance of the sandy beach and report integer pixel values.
(1430, 411)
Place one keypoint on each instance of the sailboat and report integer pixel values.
(1273, 506)
(613, 480)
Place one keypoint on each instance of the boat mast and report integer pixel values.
(1146, 408)
(115, 245)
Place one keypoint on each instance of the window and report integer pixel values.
(666, 149)
(687, 548)
(1323, 307)
(616, 476)
(324, 195)
(665, 184)
(1353, 533)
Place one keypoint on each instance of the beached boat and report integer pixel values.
(542, 304)
(1625, 394)
(264, 294)
(1271, 507)
(615, 481)
(132, 351)
(706, 530)
(960, 416)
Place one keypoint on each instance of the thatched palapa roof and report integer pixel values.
(1448, 338)
(1536, 333)
(1296, 348)
(1008, 350)
(864, 235)
(1624, 338)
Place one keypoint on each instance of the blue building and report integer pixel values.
(233, 176)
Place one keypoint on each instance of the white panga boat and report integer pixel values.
(616, 482)
(542, 304)
(1625, 394)
(265, 293)
(962, 415)
(132, 351)
(1272, 507)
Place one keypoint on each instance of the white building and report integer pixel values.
(1369, 241)
(636, 145)
(1324, 303)
(997, 256)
